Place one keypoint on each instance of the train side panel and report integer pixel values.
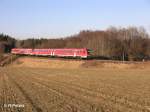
(42, 52)
(71, 53)
(21, 51)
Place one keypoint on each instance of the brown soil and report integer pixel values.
(50, 85)
(74, 90)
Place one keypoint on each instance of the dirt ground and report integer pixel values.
(73, 87)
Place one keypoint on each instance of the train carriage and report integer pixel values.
(71, 53)
(21, 51)
(66, 52)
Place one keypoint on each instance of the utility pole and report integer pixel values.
(11, 60)
(123, 57)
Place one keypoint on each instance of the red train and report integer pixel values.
(66, 52)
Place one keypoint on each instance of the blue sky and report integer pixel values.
(59, 18)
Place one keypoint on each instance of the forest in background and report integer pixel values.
(132, 43)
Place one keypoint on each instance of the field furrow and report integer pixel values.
(117, 100)
(57, 90)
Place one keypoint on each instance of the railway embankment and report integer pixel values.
(36, 62)
(7, 59)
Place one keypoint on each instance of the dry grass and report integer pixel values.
(116, 64)
(74, 90)
(45, 63)
(53, 63)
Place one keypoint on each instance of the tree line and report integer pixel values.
(130, 43)
(6, 43)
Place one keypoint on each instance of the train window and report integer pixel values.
(79, 51)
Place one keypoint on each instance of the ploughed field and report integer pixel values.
(24, 89)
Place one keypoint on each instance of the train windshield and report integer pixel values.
(90, 51)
